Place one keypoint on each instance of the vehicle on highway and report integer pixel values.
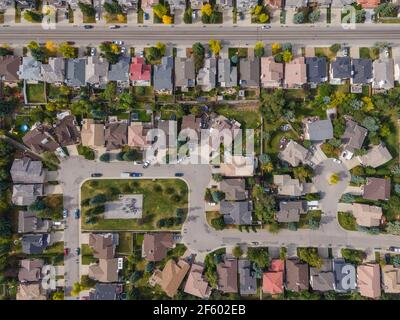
(95, 175)
(66, 251)
(395, 249)
(88, 26)
(179, 174)
(78, 251)
(114, 27)
(136, 174)
(93, 52)
(265, 27)
(65, 213)
(146, 164)
(77, 213)
(255, 243)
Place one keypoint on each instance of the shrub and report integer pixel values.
(218, 223)
(105, 157)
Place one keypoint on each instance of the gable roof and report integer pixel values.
(26, 170)
(40, 140)
(96, 70)
(155, 246)
(341, 68)
(369, 4)
(317, 70)
(361, 71)
(54, 71)
(227, 73)
(162, 76)
(30, 270)
(184, 72)
(26, 194)
(295, 73)
(103, 245)
(271, 72)
(30, 70)
(376, 156)
(106, 291)
(367, 216)
(247, 278)
(191, 122)
(66, 131)
(234, 189)
(294, 153)
(296, 275)
(227, 274)
(207, 76)
(137, 135)
(288, 186)
(106, 270)
(116, 135)
(9, 66)
(319, 130)
(383, 71)
(75, 72)
(345, 275)
(273, 278)
(249, 72)
(323, 279)
(196, 283)
(29, 291)
(289, 211)
(34, 243)
(120, 70)
(92, 133)
(354, 136)
(237, 213)
(391, 279)
(139, 70)
(29, 222)
(369, 280)
(377, 189)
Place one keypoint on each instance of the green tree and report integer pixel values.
(314, 16)
(298, 18)
(310, 256)
(218, 223)
(259, 256)
(353, 256)
(33, 16)
(87, 9)
(105, 157)
(237, 252)
(113, 7)
(126, 101)
(259, 49)
(386, 9)
(68, 51)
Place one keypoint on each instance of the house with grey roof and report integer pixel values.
(207, 76)
(345, 275)
(294, 154)
(288, 186)
(353, 138)
(30, 70)
(376, 156)
(234, 189)
(96, 71)
(294, 4)
(116, 135)
(249, 72)
(119, 72)
(245, 5)
(237, 213)
(224, 3)
(176, 5)
(247, 278)
(106, 291)
(26, 194)
(75, 72)
(26, 170)
(290, 211)
(29, 222)
(54, 70)
(317, 70)
(227, 73)
(383, 74)
(340, 70)
(361, 72)
(35, 243)
(162, 76)
(319, 130)
(323, 279)
(227, 274)
(185, 76)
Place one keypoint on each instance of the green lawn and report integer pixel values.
(369, 53)
(87, 255)
(251, 119)
(305, 218)
(35, 92)
(125, 245)
(160, 200)
(142, 115)
(325, 52)
(53, 254)
(347, 221)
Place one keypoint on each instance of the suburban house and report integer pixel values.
(227, 73)
(340, 70)
(196, 4)
(115, 135)
(29, 222)
(30, 270)
(237, 166)
(294, 154)
(322, 279)
(361, 72)
(345, 275)
(106, 270)
(9, 66)
(369, 280)
(245, 5)
(75, 75)
(391, 279)
(272, 282)
(119, 72)
(26, 170)
(207, 76)
(106, 291)
(376, 189)
(155, 246)
(176, 5)
(288, 186)
(247, 278)
(290, 211)
(234, 189)
(191, 122)
(376, 156)
(383, 74)
(227, 271)
(296, 275)
(26, 194)
(271, 73)
(54, 71)
(92, 133)
(353, 138)
(224, 4)
(96, 71)
(295, 73)
(196, 284)
(30, 70)
(341, 3)
(366, 215)
(35, 243)
(185, 76)
(103, 245)
(169, 127)
(317, 70)
(237, 213)
(30, 291)
(40, 140)
(162, 75)
(319, 130)
(137, 135)
(171, 277)
(140, 72)
(249, 72)
(66, 131)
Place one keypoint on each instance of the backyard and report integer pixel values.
(35, 93)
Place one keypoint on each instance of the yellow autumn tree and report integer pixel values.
(215, 46)
(257, 10)
(121, 18)
(368, 104)
(167, 19)
(51, 47)
(263, 18)
(114, 48)
(287, 56)
(207, 9)
(275, 48)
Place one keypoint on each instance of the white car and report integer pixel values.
(97, 16)
(123, 50)
(337, 161)
(65, 213)
(118, 42)
(395, 249)
(93, 52)
(146, 164)
(265, 27)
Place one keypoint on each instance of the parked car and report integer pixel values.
(136, 174)
(114, 27)
(88, 26)
(123, 50)
(395, 249)
(78, 251)
(65, 213)
(96, 175)
(77, 213)
(146, 164)
(66, 251)
(265, 27)
(93, 51)
(179, 174)
(97, 16)
(118, 42)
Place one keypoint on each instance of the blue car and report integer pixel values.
(179, 174)
(77, 213)
(136, 174)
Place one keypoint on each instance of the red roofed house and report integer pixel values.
(369, 4)
(273, 279)
(140, 72)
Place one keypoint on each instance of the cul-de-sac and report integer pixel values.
(199, 150)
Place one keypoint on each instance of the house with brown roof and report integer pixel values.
(369, 280)
(92, 133)
(323, 279)
(116, 135)
(66, 131)
(155, 246)
(39, 140)
(171, 277)
(191, 122)
(271, 73)
(295, 73)
(196, 283)
(377, 156)
(227, 274)
(234, 189)
(367, 216)
(273, 278)
(290, 211)
(103, 245)
(29, 222)
(391, 279)
(296, 275)
(376, 189)
(30, 270)
(237, 166)
(30, 291)
(106, 270)
(9, 66)
(137, 135)
(294, 154)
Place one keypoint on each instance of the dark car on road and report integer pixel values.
(179, 174)
(96, 175)
(88, 26)
(77, 213)
(66, 251)
(136, 174)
